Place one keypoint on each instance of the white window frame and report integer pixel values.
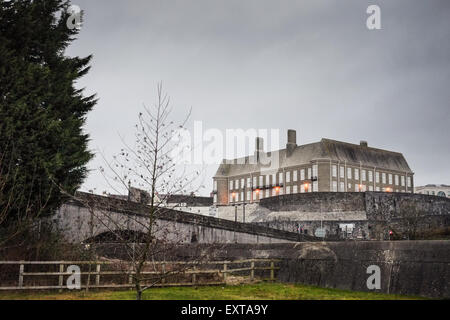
(334, 171)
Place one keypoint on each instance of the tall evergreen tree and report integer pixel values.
(41, 112)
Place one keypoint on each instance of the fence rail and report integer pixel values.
(192, 269)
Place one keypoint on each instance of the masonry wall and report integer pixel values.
(78, 224)
(317, 202)
(373, 213)
(407, 267)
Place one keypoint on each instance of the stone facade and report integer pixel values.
(355, 215)
(325, 166)
(78, 223)
(441, 190)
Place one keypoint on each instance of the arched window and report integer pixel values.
(441, 194)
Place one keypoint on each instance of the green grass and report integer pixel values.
(261, 291)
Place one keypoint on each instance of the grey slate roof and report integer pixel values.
(326, 149)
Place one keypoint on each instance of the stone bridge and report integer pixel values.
(96, 217)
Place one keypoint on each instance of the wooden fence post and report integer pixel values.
(97, 276)
(272, 271)
(252, 271)
(163, 270)
(61, 277)
(194, 276)
(21, 275)
(225, 272)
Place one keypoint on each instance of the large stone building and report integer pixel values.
(325, 166)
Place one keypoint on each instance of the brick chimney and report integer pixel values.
(363, 144)
(291, 141)
(259, 148)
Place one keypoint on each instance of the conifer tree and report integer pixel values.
(42, 113)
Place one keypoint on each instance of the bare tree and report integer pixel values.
(151, 165)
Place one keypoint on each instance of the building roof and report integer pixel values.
(327, 150)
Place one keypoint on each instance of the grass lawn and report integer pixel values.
(261, 291)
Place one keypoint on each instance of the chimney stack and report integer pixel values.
(259, 148)
(363, 144)
(291, 141)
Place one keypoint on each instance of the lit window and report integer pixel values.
(267, 180)
(349, 173)
(383, 178)
(342, 187)
(363, 175)
(231, 185)
(249, 183)
(356, 174)
(370, 176)
(295, 189)
(377, 177)
(390, 178)
(248, 196)
(378, 189)
(302, 188)
(288, 189)
(236, 184)
(334, 171)
(261, 183)
(215, 185)
(409, 182)
(370, 188)
(242, 183)
(295, 175)
(254, 182)
(342, 172)
(302, 174)
(349, 186)
(280, 177)
(288, 177)
(396, 180)
(215, 198)
(402, 181)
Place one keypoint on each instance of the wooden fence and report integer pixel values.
(250, 269)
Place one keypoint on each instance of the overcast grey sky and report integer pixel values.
(308, 65)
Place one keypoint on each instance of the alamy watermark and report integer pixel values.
(74, 279)
(374, 20)
(374, 280)
(74, 20)
(211, 146)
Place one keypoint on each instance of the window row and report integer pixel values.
(271, 179)
(367, 175)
